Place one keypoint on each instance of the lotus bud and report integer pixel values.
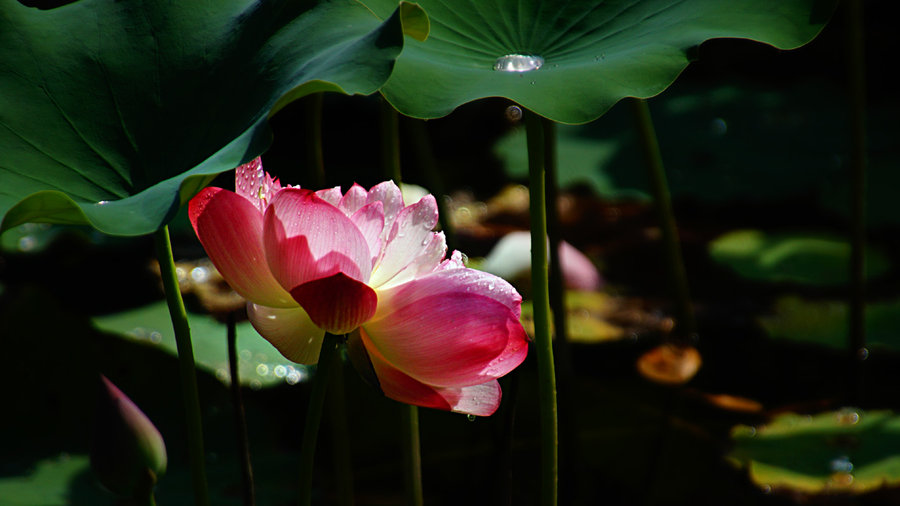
(128, 454)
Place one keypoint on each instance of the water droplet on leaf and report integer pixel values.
(518, 63)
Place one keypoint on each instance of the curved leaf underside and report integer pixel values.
(595, 52)
(113, 114)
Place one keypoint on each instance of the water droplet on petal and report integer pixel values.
(518, 63)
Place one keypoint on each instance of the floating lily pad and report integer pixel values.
(113, 114)
(803, 258)
(846, 451)
(571, 61)
(826, 323)
(593, 317)
(259, 363)
(50, 484)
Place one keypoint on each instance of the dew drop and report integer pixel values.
(262, 369)
(280, 371)
(470, 417)
(514, 113)
(841, 464)
(518, 63)
(862, 354)
(847, 417)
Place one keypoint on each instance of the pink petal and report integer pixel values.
(230, 229)
(330, 195)
(579, 272)
(370, 221)
(306, 238)
(254, 184)
(410, 236)
(391, 198)
(481, 400)
(452, 328)
(337, 303)
(353, 200)
(289, 330)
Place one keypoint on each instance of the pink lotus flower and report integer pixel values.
(436, 333)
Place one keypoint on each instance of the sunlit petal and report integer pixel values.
(452, 328)
(306, 238)
(411, 235)
(481, 400)
(289, 330)
(230, 228)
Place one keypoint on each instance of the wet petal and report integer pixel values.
(452, 328)
(230, 228)
(353, 200)
(306, 238)
(254, 184)
(330, 195)
(481, 400)
(289, 330)
(410, 236)
(370, 221)
(391, 199)
(337, 303)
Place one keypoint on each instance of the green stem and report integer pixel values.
(240, 421)
(314, 415)
(312, 122)
(412, 459)
(185, 365)
(568, 474)
(686, 325)
(390, 162)
(390, 142)
(433, 178)
(857, 74)
(541, 300)
(340, 434)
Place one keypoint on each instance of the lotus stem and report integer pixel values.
(541, 301)
(314, 415)
(566, 376)
(686, 324)
(433, 178)
(857, 86)
(240, 420)
(312, 122)
(340, 435)
(412, 457)
(186, 368)
(390, 142)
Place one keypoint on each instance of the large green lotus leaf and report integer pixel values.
(826, 322)
(805, 258)
(113, 114)
(259, 363)
(594, 52)
(843, 451)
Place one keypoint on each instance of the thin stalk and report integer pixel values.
(566, 373)
(433, 178)
(314, 415)
(390, 141)
(340, 434)
(186, 368)
(857, 75)
(686, 325)
(312, 141)
(541, 301)
(412, 460)
(412, 457)
(240, 421)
